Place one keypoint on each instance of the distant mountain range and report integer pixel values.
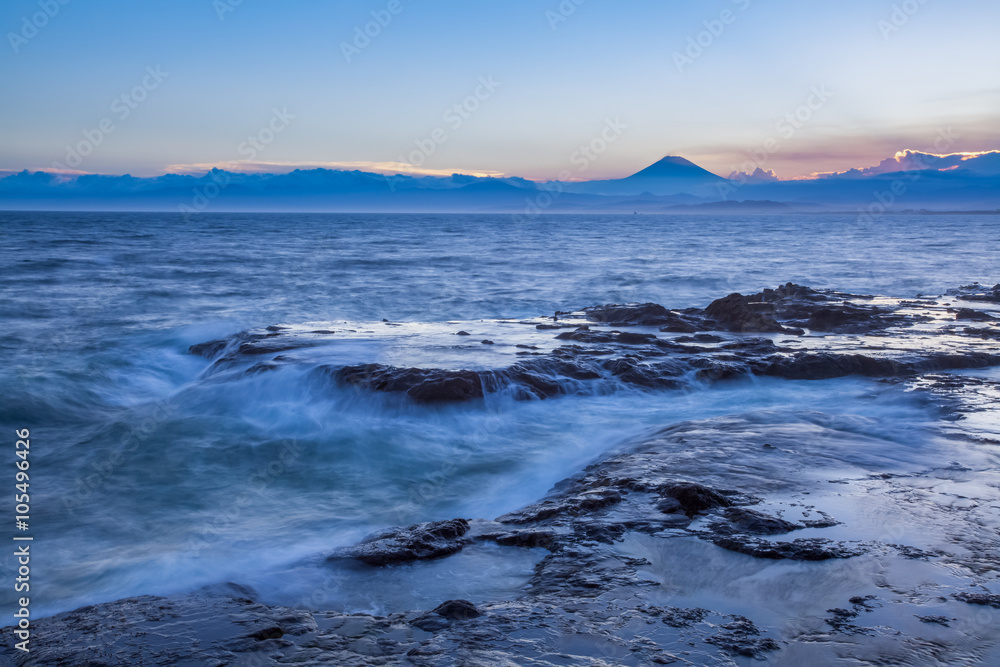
(908, 181)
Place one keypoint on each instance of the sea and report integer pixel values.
(149, 474)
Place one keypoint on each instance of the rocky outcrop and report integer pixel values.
(737, 313)
(598, 353)
(423, 541)
(977, 292)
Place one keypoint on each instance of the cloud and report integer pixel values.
(386, 168)
(758, 176)
(911, 160)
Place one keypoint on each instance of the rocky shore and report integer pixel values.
(849, 552)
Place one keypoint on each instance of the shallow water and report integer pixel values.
(151, 475)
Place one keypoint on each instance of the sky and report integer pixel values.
(512, 87)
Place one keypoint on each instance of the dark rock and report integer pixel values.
(736, 313)
(983, 333)
(701, 338)
(422, 385)
(463, 333)
(273, 632)
(677, 617)
(801, 549)
(620, 337)
(985, 599)
(741, 637)
(692, 498)
(848, 319)
(423, 541)
(211, 349)
(486, 341)
(572, 505)
(758, 523)
(643, 314)
(975, 315)
(457, 610)
(940, 620)
(529, 538)
(977, 292)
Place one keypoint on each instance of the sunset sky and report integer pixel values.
(533, 80)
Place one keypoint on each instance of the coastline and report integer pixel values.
(806, 499)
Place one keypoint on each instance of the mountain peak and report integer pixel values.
(674, 166)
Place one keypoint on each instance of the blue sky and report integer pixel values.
(867, 78)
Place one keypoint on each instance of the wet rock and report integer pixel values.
(457, 610)
(741, 637)
(801, 549)
(422, 385)
(701, 338)
(528, 538)
(643, 375)
(643, 314)
(758, 523)
(842, 620)
(211, 349)
(572, 505)
(422, 541)
(977, 292)
(848, 319)
(736, 313)
(975, 315)
(984, 599)
(690, 498)
(487, 341)
(272, 632)
(677, 617)
(983, 333)
(940, 620)
(619, 337)
(463, 333)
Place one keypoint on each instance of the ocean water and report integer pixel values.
(151, 475)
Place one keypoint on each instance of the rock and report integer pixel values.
(211, 349)
(422, 541)
(572, 505)
(643, 314)
(421, 385)
(983, 333)
(700, 338)
(940, 620)
(848, 319)
(736, 313)
(801, 549)
(463, 333)
(977, 292)
(486, 341)
(457, 610)
(529, 538)
(984, 599)
(975, 315)
(758, 523)
(691, 498)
